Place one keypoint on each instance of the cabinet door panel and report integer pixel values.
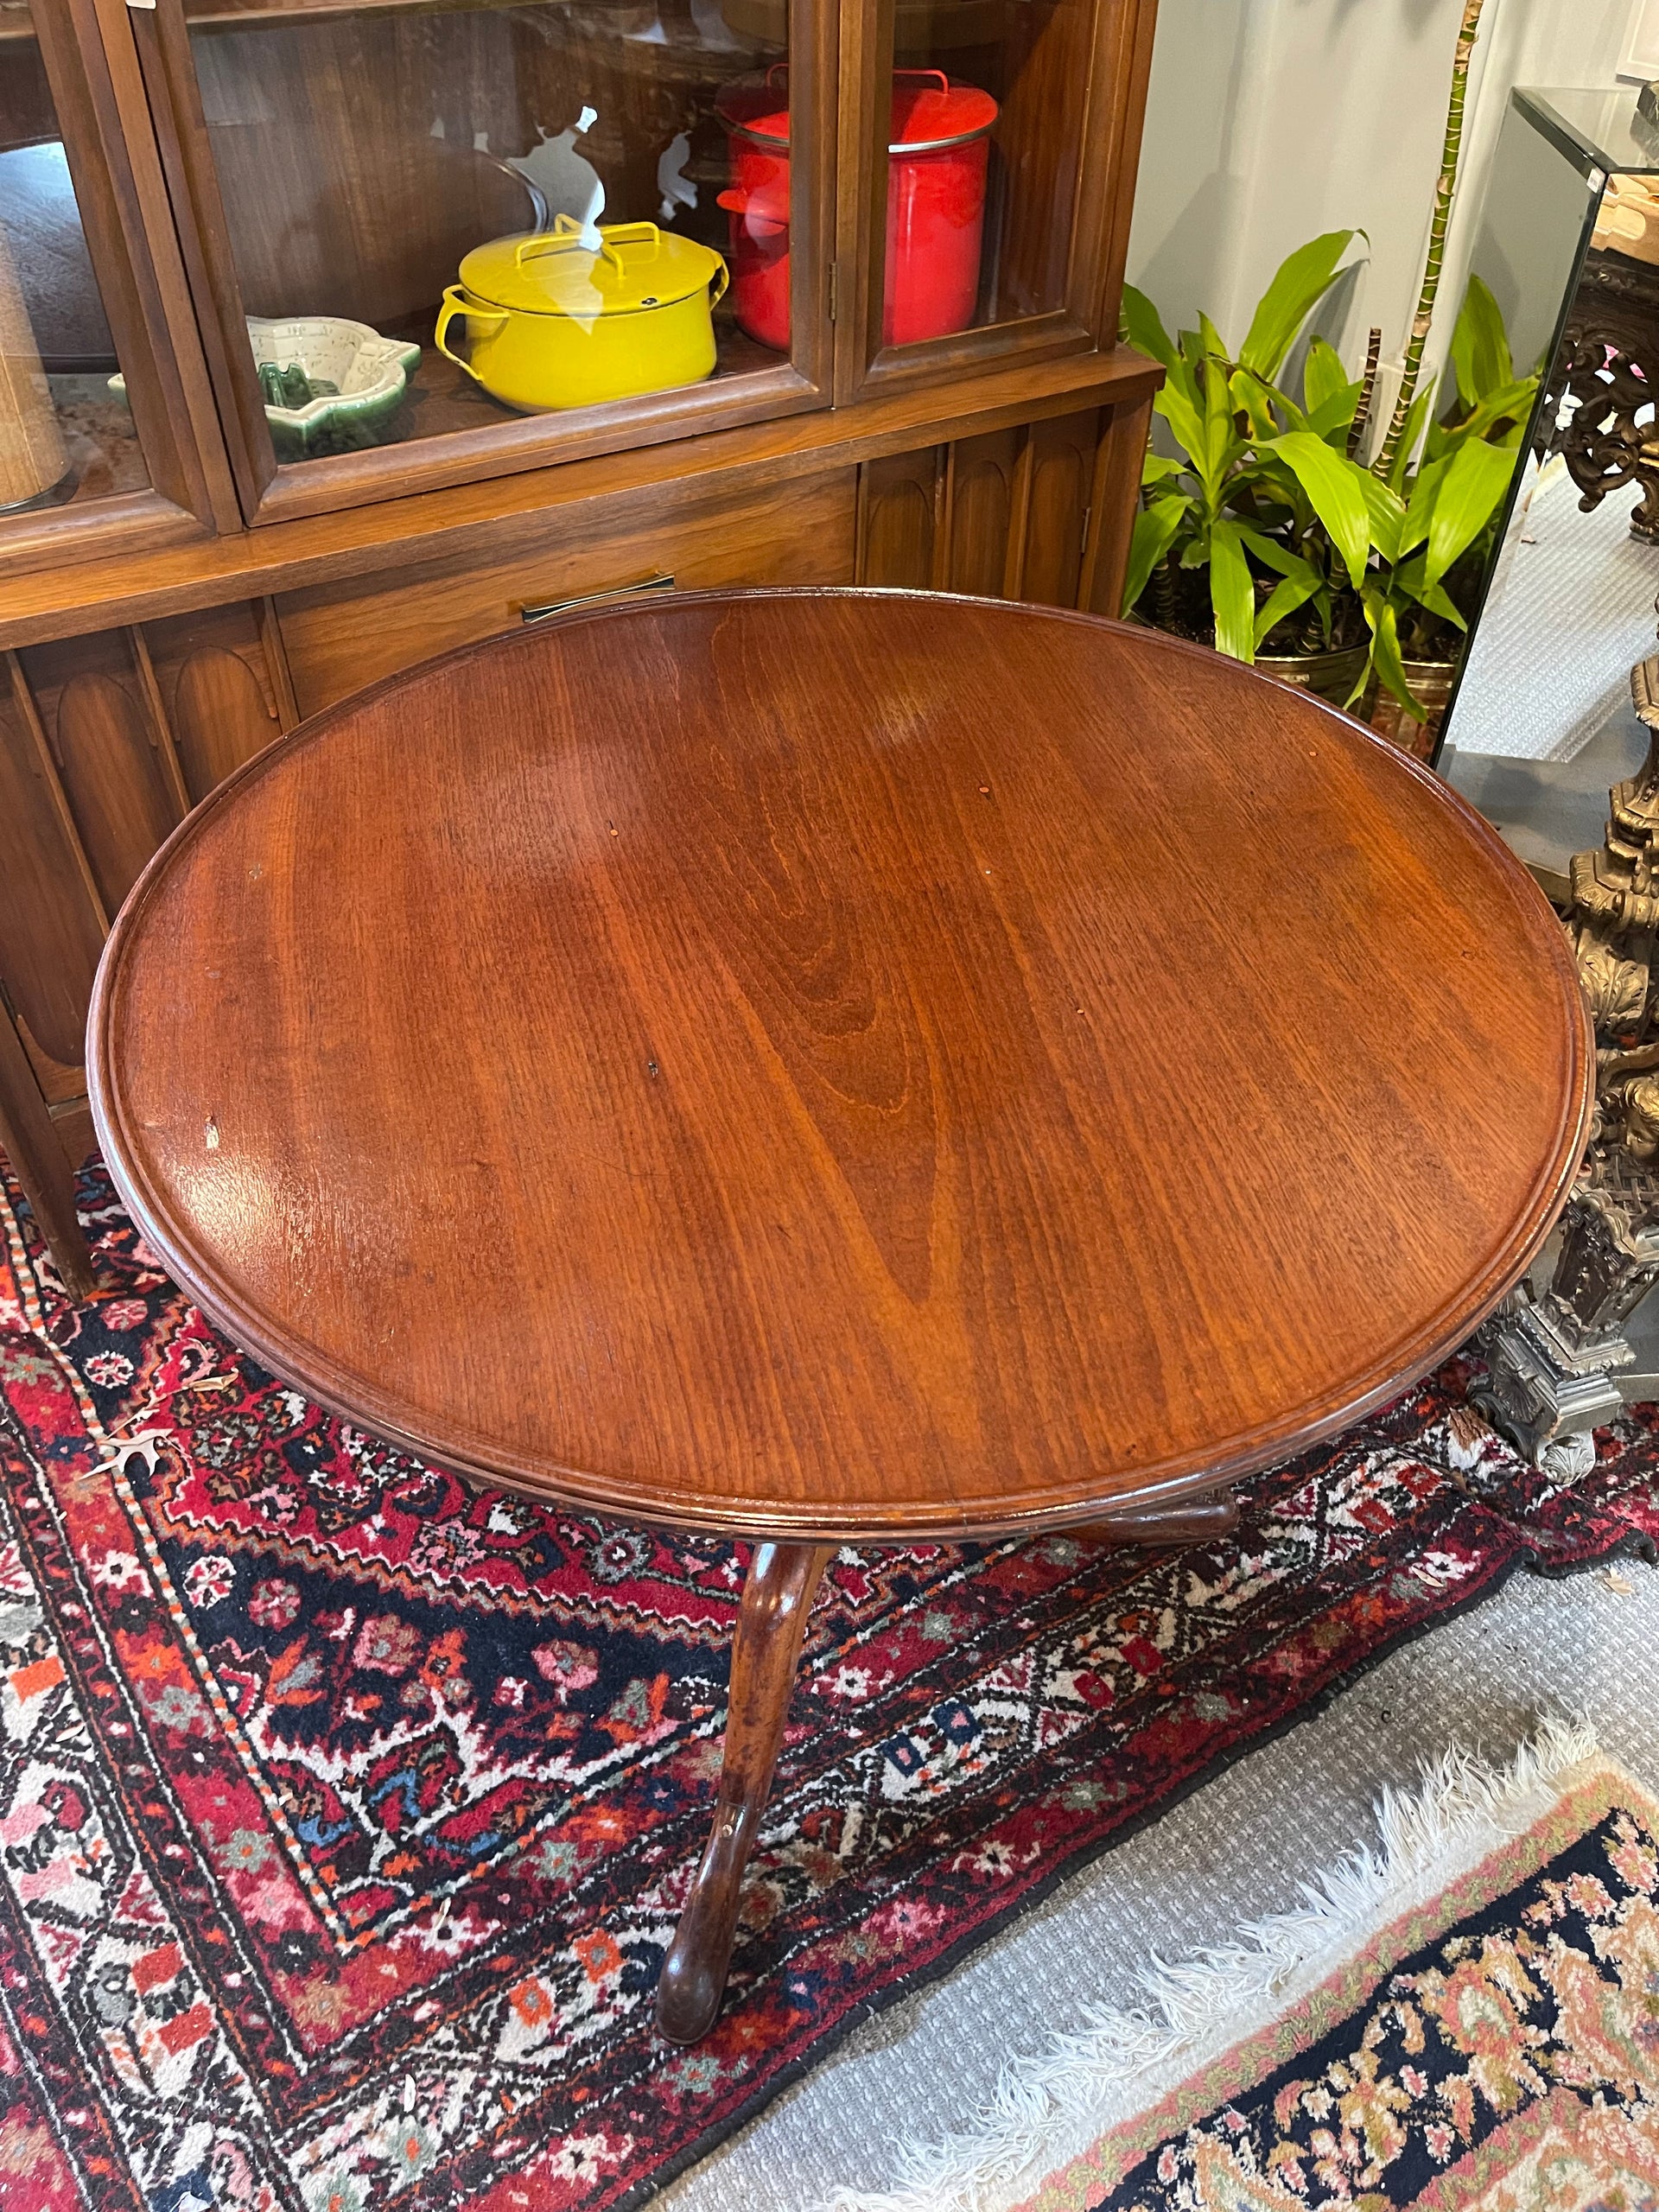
(91, 283)
(338, 637)
(898, 520)
(222, 698)
(982, 480)
(1006, 515)
(988, 159)
(90, 696)
(51, 928)
(1060, 462)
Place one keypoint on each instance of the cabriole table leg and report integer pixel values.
(777, 1598)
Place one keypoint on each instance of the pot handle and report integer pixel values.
(944, 82)
(631, 234)
(567, 231)
(455, 303)
(722, 279)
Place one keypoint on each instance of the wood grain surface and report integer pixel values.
(838, 1065)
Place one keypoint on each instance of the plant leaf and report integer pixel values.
(1157, 466)
(1385, 654)
(1333, 418)
(1410, 583)
(1273, 555)
(1155, 526)
(1301, 281)
(1480, 346)
(1210, 339)
(1143, 326)
(1284, 599)
(1276, 481)
(1331, 481)
(1472, 488)
(1292, 414)
(1323, 376)
(1222, 443)
(1232, 594)
(1251, 399)
(1510, 405)
(1182, 414)
(1419, 506)
(1387, 515)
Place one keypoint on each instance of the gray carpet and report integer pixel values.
(1236, 1849)
(1570, 609)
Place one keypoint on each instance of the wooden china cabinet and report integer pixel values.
(189, 188)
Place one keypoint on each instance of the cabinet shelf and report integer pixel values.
(443, 398)
(103, 443)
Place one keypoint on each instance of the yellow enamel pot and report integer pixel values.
(554, 322)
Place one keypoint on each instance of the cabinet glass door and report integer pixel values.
(66, 436)
(475, 218)
(983, 232)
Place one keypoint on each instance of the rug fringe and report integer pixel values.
(1124, 2060)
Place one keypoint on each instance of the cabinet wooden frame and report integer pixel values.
(91, 70)
(1102, 200)
(273, 492)
(481, 517)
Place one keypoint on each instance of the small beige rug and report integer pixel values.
(1466, 2016)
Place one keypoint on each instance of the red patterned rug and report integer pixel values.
(345, 1811)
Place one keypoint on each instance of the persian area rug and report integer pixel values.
(345, 1811)
(1469, 2020)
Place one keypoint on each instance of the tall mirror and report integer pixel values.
(1554, 732)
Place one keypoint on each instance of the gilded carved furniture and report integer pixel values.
(1608, 358)
(832, 1181)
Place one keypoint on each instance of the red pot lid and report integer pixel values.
(929, 112)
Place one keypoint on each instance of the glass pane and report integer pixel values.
(64, 433)
(984, 148)
(531, 204)
(1535, 227)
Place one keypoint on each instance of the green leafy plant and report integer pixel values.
(1300, 544)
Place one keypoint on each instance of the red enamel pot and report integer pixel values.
(937, 158)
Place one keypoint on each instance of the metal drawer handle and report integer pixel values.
(657, 582)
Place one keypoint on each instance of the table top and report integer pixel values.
(841, 1063)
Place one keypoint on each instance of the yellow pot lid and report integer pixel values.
(552, 272)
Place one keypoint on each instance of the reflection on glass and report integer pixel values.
(63, 434)
(1532, 235)
(441, 216)
(984, 147)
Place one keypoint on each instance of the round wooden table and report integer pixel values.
(829, 1066)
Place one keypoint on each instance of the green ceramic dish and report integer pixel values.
(330, 385)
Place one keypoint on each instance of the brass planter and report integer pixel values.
(1431, 682)
(1331, 675)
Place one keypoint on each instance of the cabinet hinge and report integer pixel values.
(834, 289)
